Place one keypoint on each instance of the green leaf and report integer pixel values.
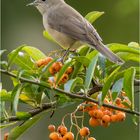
(2, 51)
(15, 96)
(128, 85)
(70, 85)
(83, 50)
(77, 67)
(92, 16)
(108, 82)
(21, 59)
(12, 56)
(5, 96)
(23, 115)
(90, 72)
(83, 60)
(4, 64)
(7, 125)
(92, 54)
(115, 47)
(19, 130)
(134, 44)
(102, 65)
(33, 52)
(116, 89)
(62, 71)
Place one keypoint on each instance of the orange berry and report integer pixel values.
(106, 101)
(62, 130)
(98, 114)
(91, 106)
(69, 70)
(84, 131)
(91, 138)
(51, 128)
(91, 113)
(6, 136)
(121, 116)
(52, 71)
(94, 122)
(113, 118)
(107, 112)
(43, 62)
(64, 78)
(121, 106)
(55, 67)
(106, 119)
(54, 136)
(118, 101)
(60, 138)
(68, 136)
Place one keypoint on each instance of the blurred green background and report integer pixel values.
(23, 25)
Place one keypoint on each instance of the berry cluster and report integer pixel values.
(56, 67)
(63, 134)
(103, 116)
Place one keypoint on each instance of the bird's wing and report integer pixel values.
(68, 21)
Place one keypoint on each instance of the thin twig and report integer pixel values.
(33, 112)
(72, 95)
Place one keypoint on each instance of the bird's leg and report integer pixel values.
(65, 54)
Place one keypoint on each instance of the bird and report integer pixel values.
(66, 25)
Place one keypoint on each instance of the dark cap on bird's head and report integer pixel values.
(40, 2)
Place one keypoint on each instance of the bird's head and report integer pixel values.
(43, 5)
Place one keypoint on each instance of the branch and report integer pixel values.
(32, 112)
(72, 95)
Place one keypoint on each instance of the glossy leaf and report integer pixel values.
(92, 54)
(2, 51)
(23, 115)
(128, 85)
(115, 47)
(92, 16)
(19, 130)
(83, 60)
(77, 67)
(108, 82)
(7, 125)
(12, 56)
(15, 96)
(5, 96)
(117, 88)
(70, 85)
(33, 52)
(134, 44)
(90, 72)
(83, 50)
(22, 59)
(24, 98)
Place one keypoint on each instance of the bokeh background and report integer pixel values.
(23, 25)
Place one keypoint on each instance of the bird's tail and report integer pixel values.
(108, 53)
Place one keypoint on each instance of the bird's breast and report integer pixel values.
(61, 38)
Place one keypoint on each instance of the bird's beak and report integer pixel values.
(34, 3)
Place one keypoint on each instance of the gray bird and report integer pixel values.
(66, 26)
